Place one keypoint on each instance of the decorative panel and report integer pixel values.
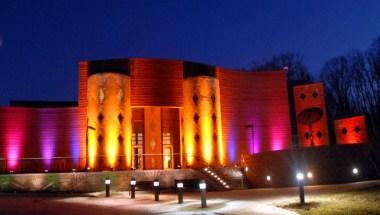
(152, 143)
(351, 130)
(311, 115)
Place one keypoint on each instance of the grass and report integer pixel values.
(358, 202)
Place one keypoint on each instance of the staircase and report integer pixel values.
(228, 178)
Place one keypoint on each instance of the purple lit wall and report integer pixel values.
(258, 98)
(33, 140)
(47, 120)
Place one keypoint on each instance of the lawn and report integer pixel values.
(358, 202)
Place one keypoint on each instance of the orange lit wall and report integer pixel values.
(152, 140)
(309, 96)
(109, 116)
(258, 98)
(201, 122)
(351, 130)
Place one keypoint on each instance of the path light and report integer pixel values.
(268, 178)
(156, 185)
(133, 187)
(300, 180)
(107, 182)
(246, 169)
(202, 187)
(355, 171)
(309, 175)
(180, 192)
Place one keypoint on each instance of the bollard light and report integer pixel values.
(269, 178)
(355, 171)
(133, 182)
(180, 185)
(246, 169)
(156, 185)
(107, 182)
(300, 176)
(133, 187)
(46, 170)
(202, 187)
(300, 180)
(180, 192)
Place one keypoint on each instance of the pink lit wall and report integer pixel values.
(32, 140)
(253, 98)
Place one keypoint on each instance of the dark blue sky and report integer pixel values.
(42, 41)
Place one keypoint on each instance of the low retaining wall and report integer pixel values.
(90, 181)
(329, 164)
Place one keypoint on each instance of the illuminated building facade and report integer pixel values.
(157, 114)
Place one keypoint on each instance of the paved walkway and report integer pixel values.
(254, 201)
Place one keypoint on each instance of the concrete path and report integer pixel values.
(254, 201)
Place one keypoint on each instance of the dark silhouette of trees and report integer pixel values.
(297, 71)
(352, 85)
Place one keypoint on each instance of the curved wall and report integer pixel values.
(109, 121)
(201, 122)
(253, 98)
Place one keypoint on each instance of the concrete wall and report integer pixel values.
(90, 181)
(329, 164)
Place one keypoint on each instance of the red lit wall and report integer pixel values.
(311, 96)
(82, 107)
(38, 139)
(258, 98)
(351, 130)
(156, 82)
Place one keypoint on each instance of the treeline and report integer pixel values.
(351, 81)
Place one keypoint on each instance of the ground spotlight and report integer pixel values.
(309, 175)
(355, 171)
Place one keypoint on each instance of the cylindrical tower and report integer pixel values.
(202, 120)
(109, 121)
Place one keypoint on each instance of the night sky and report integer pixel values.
(42, 41)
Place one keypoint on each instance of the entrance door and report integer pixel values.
(137, 162)
(167, 157)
